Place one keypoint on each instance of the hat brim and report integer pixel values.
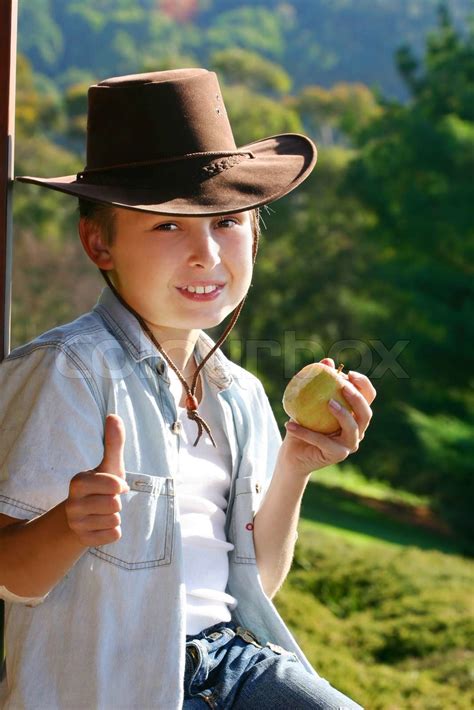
(280, 164)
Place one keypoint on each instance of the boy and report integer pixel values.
(148, 505)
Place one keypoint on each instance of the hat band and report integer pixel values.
(223, 159)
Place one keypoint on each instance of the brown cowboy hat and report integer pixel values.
(162, 142)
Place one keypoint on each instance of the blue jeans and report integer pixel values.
(226, 667)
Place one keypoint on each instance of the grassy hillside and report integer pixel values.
(382, 609)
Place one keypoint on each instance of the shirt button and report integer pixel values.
(176, 427)
(258, 487)
(249, 526)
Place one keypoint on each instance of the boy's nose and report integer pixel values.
(204, 250)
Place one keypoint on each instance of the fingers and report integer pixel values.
(95, 538)
(364, 385)
(94, 505)
(353, 425)
(114, 443)
(333, 450)
(328, 361)
(359, 405)
(91, 483)
(93, 523)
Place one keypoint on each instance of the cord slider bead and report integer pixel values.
(191, 402)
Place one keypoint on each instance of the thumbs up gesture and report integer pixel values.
(93, 505)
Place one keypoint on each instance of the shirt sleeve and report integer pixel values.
(8, 596)
(51, 427)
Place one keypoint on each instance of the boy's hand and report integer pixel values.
(307, 450)
(93, 505)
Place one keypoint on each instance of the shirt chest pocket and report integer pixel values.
(246, 503)
(147, 514)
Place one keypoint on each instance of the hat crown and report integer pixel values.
(147, 117)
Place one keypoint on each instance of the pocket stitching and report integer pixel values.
(168, 536)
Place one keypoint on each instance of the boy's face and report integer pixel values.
(153, 257)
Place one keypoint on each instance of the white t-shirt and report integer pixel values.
(202, 491)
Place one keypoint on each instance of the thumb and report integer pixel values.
(114, 442)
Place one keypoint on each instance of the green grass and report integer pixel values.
(324, 509)
(349, 477)
(382, 609)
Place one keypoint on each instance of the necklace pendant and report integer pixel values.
(191, 402)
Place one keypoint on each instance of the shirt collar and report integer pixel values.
(128, 331)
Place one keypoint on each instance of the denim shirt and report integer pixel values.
(111, 633)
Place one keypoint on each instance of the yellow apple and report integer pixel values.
(307, 395)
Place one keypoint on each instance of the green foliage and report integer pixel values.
(346, 107)
(253, 28)
(316, 41)
(448, 447)
(350, 478)
(254, 115)
(446, 87)
(391, 628)
(414, 173)
(40, 37)
(239, 66)
(326, 509)
(326, 41)
(38, 102)
(112, 38)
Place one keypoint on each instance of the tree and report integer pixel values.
(344, 109)
(239, 66)
(415, 173)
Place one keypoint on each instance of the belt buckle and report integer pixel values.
(277, 649)
(247, 636)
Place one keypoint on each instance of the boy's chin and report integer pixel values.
(210, 321)
(206, 323)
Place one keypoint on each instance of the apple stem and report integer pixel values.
(339, 369)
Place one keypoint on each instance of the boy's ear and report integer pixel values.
(95, 244)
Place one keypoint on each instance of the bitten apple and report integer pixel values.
(307, 395)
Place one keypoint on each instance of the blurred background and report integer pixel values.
(370, 262)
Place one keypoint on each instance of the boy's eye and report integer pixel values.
(166, 226)
(227, 222)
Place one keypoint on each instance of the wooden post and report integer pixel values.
(8, 32)
(8, 35)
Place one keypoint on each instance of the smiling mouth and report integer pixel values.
(201, 293)
(201, 289)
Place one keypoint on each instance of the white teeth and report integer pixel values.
(200, 289)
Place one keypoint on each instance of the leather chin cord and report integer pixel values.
(191, 399)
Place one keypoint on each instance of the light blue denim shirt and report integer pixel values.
(111, 634)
